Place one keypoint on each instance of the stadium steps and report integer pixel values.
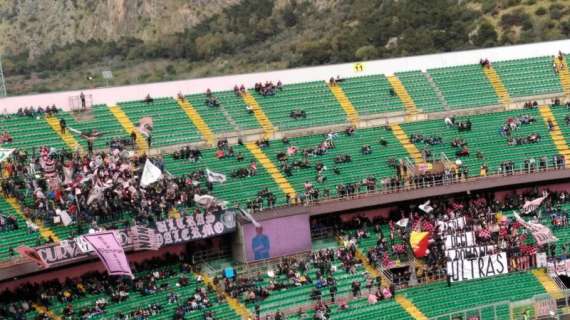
(564, 75)
(239, 308)
(67, 137)
(200, 124)
(555, 133)
(43, 310)
(260, 115)
(271, 169)
(423, 92)
(14, 238)
(528, 77)
(410, 307)
(345, 103)
(437, 90)
(45, 232)
(548, 284)
(403, 94)
(498, 85)
(405, 141)
(129, 127)
(99, 118)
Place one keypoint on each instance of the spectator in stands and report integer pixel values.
(148, 99)
(62, 125)
(82, 98)
(133, 137)
(5, 137)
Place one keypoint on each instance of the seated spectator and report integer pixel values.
(148, 99)
(298, 114)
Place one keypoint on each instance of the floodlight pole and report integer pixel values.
(3, 92)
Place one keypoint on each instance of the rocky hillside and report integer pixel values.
(50, 45)
(37, 25)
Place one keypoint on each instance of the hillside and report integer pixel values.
(36, 26)
(65, 44)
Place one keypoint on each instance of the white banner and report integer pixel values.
(541, 261)
(215, 176)
(462, 240)
(482, 267)
(469, 252)
(451, 225)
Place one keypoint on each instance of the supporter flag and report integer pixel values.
(5, 153)
(64, 216)
(249, 217)
(32, 254)
(108, 248)
(425, 207)
(215, 177)
(151, 174)
(403, 222)
(419, 242)
(541, 233)
(145, 126)
(207, 201)
(530, 206)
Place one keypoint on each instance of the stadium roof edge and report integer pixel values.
(112, 95)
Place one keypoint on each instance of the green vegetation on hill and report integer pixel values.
(256, 35)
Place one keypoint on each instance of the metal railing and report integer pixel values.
(388, 185)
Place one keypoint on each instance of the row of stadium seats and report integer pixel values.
(462, 87)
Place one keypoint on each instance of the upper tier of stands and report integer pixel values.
(434, 90)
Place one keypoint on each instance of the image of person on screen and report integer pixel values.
(260, 244)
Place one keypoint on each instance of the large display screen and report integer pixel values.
(277, 237)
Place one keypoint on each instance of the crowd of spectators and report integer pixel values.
(153, 277)
(96, 188)
(484, 215)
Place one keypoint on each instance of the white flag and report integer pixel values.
(530, 206)
(426, 207)
(151, 174)
(215, 177)
(208, 201)
(403, 222)
(5, 153)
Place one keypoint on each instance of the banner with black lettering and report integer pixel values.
(470, 252)
(460, 240)
(172, 231)
(195, 227)
(476, 268)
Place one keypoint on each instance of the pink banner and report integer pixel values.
(109, 249)
(32, 254)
